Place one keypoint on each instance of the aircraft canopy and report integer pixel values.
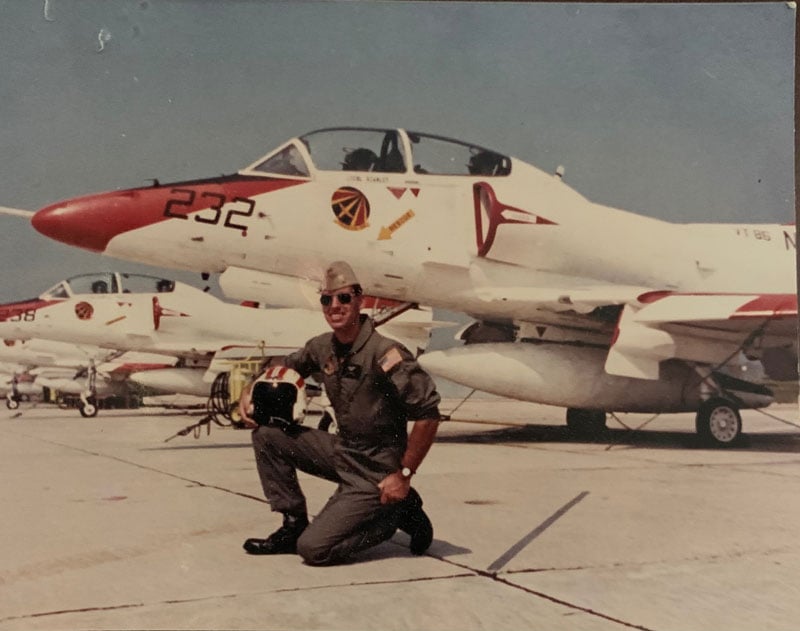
(108, 283)
(381, 151)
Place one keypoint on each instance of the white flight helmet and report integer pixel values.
(279, 397)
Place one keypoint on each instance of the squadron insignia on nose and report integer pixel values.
(351, 208)
(84, 310)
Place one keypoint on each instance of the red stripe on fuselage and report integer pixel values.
(768, 304)
(132, 367)
(91, 222)
(778, 305)
(14, 309)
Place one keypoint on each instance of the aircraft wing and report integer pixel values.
(122, 363)
(706, 328)
(412, 327)
(556, 293)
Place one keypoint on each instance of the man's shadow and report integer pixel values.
(397, 547)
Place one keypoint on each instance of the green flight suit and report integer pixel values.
(375, 389)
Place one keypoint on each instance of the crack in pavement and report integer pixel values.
(180, 601)
(151, 469)
(470, 571)
(741, 554)
(499, 579)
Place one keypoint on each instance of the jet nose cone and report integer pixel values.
(70, 222)
(85, 222)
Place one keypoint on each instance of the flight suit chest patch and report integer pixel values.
(351, 371)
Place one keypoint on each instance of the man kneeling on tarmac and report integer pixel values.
(375, 387)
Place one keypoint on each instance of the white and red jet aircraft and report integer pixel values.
(12, 384)
(85, 373)
(578, 304)
(134, 312)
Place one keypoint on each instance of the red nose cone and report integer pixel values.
(86, 222)
(91, 222)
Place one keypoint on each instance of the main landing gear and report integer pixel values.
(14, 397)
(586, 423)
(718, 422)
(88, 399)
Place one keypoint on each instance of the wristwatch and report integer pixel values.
(406, 472)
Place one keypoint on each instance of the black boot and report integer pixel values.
(413, 521)
(283, 540)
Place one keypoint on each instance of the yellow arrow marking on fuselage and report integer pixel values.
(386, 233)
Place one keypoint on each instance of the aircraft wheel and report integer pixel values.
(586, 423)
(327, 424)
(12, 404)
(718, 422)
(88, 409)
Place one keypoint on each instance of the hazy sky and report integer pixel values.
(683, 112)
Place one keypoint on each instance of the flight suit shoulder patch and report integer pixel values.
(390, 359)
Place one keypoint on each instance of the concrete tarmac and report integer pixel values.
(106, 526)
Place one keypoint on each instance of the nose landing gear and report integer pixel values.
(88, 407)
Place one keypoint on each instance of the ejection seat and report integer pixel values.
(361, 159)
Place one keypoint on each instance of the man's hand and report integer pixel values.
(394, 487)
(244, 410)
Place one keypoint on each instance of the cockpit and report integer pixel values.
(380, 151)
(108, 283)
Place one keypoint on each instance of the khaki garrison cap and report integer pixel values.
(338, 275)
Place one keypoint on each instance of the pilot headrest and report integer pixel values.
(361, 159)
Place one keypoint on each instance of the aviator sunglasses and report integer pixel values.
(344, 299)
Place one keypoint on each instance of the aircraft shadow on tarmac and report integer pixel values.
(618, 438)
(778, 442)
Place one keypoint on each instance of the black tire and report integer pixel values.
(88, 409)
(586, 423)
(12, 403)
(719, 423)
